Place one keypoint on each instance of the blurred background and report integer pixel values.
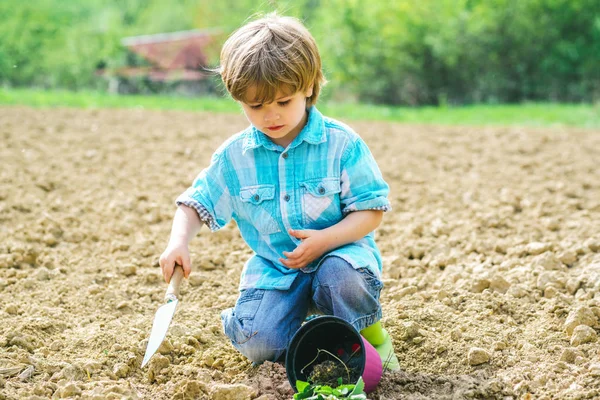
(400, 53)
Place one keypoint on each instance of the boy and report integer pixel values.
(304, 190)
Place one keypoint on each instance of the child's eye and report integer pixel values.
(284, 103)
(256, 107)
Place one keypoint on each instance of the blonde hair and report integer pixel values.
(271, 54)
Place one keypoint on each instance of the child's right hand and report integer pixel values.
(175, 253)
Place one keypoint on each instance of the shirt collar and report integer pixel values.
(313, 133)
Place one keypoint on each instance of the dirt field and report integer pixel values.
(491, 253)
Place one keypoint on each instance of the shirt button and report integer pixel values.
(286, 197)
(284, 155)
(256, 197)
(321, 190)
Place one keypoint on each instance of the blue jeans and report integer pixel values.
(263, 322)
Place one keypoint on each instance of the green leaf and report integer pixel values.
(308, 393)
(324, 389)
(359, 387)
(301, 385)
(305, 391)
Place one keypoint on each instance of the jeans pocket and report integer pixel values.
(238, 321)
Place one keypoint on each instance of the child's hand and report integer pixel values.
(175, 253)
(314, 244)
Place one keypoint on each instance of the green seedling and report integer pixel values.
(326, 381)
(307, 391)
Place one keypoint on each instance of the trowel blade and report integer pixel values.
(160, 326)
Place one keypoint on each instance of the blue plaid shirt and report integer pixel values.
(324, 174)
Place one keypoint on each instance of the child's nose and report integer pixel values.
(271, 116)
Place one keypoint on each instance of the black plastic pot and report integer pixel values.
(339, 338)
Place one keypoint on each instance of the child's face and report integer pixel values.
(283, 119)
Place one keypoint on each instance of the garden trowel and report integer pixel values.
(164, 315)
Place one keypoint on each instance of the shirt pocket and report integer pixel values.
(260, 207)
(321, 202)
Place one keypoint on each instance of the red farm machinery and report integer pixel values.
(174, 61)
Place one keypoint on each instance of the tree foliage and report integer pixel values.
(395, 52)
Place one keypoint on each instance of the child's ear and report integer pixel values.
(309, 91)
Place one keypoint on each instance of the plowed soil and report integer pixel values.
(491, 253)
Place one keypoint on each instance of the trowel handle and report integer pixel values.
(173, 289)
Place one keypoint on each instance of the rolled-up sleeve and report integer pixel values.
(209, 195)
(363, 186)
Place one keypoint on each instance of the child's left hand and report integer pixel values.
(314, 244)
